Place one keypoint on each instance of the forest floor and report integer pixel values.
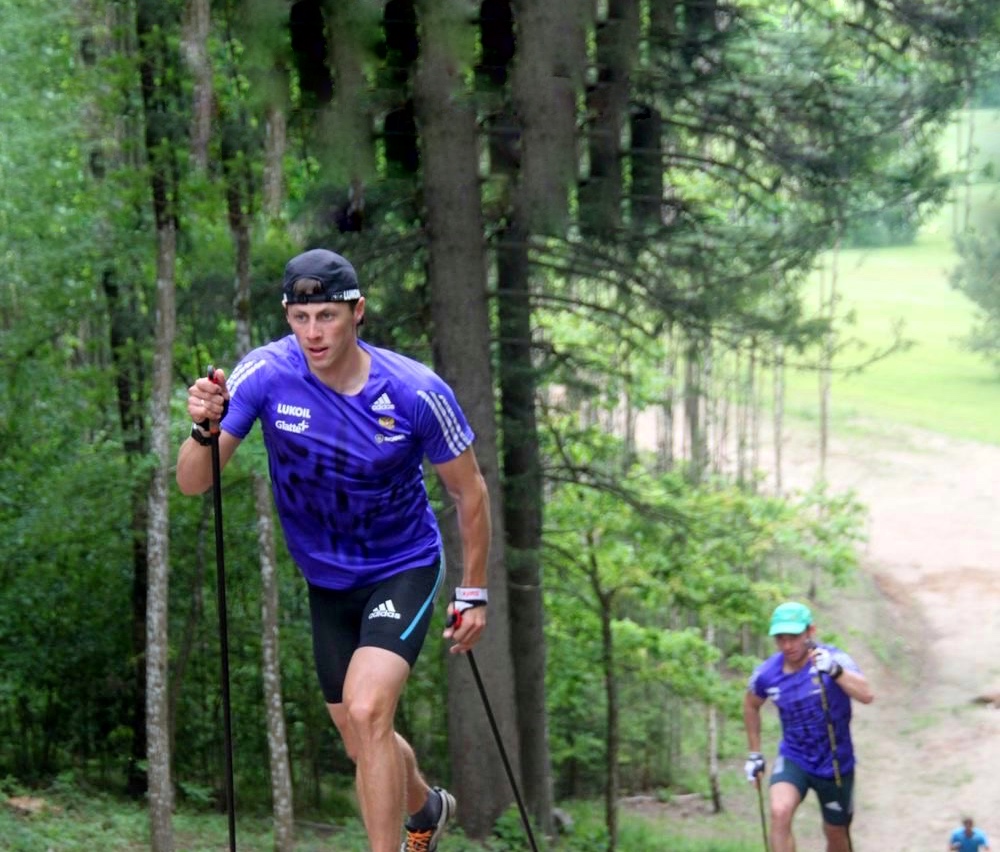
(923, 621)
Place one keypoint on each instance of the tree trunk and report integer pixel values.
(828, 309)
(693, 396)
(646, 154)
(282, 800)
(96, 23)
(523, 518)
(197, 25)
(155, 24)
(666, 440)
(607, 104)
(461, 343)
(547, 80)
(712, 725)
(970, 155)
(129, 384)
(747, 433)
(196, 612)
(612, 737)
(779, 416)
(522, 481)
(161, 793)
(276, 127)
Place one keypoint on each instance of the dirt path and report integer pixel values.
(925, 626)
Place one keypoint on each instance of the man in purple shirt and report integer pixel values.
(346, 426)
(812, 686)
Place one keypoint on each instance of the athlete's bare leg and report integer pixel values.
(387, 776)
(785, 799)
(837, 838)
(416, 787)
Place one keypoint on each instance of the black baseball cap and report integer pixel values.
(325, 276)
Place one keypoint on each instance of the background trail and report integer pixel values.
(924, 622)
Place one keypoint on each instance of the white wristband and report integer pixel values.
(471, 594)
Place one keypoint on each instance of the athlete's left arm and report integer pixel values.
(856, 686)
(464, 482)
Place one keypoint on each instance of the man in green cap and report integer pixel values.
(812, 685)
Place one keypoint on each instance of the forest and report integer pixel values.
(598, 221)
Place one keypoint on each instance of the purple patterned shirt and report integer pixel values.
(346, 471)
(805, 735)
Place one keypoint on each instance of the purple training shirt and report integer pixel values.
(805, 736)
(346, 471)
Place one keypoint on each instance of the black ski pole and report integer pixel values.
(833, 753)
(763, 821)
(502, 750)
(454, 620)
(220, 585)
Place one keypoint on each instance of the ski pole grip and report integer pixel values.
(213, 426)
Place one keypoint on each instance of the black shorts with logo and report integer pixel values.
(836, 804)
(393, 614)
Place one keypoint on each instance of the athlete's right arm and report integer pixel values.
(194, 463)
(206, 399)
(751, 719)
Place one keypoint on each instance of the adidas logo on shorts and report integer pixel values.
(384, 610)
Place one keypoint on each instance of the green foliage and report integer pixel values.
(825, 531)
(978, 279)
(780, 132)
(657, 571)
(509, 833)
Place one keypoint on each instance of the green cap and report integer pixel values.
(790, 617)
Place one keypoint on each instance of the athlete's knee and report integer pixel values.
(370, 715)
(783, 811)
(781, 817)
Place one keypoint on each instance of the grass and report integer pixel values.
(935, 383)
(72, 821)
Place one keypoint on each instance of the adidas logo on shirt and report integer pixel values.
(383, 403)
(384, 610)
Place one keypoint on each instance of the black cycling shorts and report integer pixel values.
(393, 614)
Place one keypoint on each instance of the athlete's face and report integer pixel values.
(325, 330)
(795, 646)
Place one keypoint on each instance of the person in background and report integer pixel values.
(966, 838)
(346, 427)
(812, 686)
